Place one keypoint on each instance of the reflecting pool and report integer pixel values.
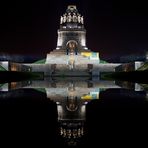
(73, 111)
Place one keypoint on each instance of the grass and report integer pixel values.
(103, 62)
(40, 61)
(143, 67)
(2, 68)
(40, 90)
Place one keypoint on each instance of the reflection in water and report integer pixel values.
(71, 97)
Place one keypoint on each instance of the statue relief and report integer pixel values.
(79, 18)
(64, 18)
(69, 17)
(74, 18)
(82, 20)
(61, 20)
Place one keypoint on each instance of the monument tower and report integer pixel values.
(71, 56)
(72, 33)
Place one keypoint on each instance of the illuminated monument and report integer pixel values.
(71, 56)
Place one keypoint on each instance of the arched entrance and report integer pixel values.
(71, 104)
(71, 47)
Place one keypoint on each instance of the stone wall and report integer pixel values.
(66, 35)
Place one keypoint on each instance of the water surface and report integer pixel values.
(73, 112)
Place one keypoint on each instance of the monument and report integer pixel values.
(71, 57)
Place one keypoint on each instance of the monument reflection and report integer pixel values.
(71, 96)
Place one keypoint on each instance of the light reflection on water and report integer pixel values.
(72, 96)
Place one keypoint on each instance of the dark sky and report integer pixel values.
(113, 27)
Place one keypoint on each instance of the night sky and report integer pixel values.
(113, 27)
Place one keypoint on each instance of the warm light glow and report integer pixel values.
(86, 54)
(91, 95)
(13, 85)
(86, 97)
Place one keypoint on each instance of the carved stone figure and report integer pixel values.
(69, 17)
(61, 20)
(79, 18)
(74, 18)
(64, 18)
(82, 20)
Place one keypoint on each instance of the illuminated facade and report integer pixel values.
(71, 56)
(72, 31)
